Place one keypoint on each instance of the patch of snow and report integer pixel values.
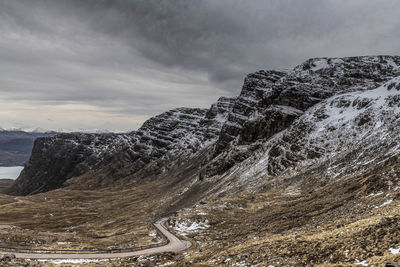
(320, 63)
(185, 228)
(240, 264)
(63, 243)
(201, 213)
(387, 202)
(393, 64)
(167, 263)
(362, 263)
(375, 194)
(288, 110)
(336, 61)
(221, 118)
(394, 251)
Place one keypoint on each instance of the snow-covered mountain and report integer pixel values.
(270, 101)
(329, 116)
(346, 135)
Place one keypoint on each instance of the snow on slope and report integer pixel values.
(256, 118)
(344, 133)
(359, 118)
(280, 121)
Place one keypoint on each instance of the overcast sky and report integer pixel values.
(111, 64)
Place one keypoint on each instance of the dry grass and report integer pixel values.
(336, 225)
(80, 219)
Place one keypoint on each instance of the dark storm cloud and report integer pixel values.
(141, 57)
(227, 38)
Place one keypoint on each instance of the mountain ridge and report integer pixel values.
(228, 133)
(301, 168)
(169, 135)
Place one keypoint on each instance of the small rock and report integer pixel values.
(7, 257)
(245, 256)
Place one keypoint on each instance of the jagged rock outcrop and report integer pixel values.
(56, 159)
(177, 133)
(270, 128)
(346, 136)
(270, 101)
(350, 130)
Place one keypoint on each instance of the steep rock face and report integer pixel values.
(255, 88)
(345, 136)
(270, 101)
(351, 130)
(56, 159)
(266, 123)
(173, 135)
(176, 133)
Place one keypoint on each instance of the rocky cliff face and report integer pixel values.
(56, 159)
(270, 101)
(343, 138)
(174, 134)
(280, 121)
(345, 133)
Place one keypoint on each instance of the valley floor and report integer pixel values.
(292, 227)
(173, 244)
(77, 219)
(350, 221)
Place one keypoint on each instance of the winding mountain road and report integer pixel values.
(174, 245)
